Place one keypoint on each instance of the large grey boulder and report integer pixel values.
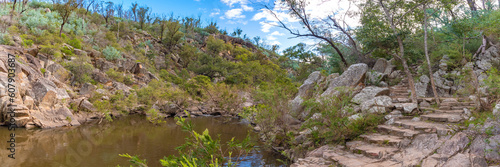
(408, 108)
(353, 76)
(305, 91)
(379, 104)
(369, 93)
(380, 65)
(421, 86)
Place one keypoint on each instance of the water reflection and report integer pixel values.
(99, 145)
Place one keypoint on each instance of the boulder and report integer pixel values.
(104, 65)
(34, 61)
(353, 76)
(46, 92)
(80, 52)
(369, 93)
(375, 77)
(59, 72)
(395, 74)
(33, 51)
(425, 104)
(86, 106)
(380, 65)
(379, 104)
(305, 91)
(100, 77)
(87, 89)
(408, 108)
(120, 86)
(53, 117)
(496, 110)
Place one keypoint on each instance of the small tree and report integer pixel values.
(133, 8)
(65, 8)
(143, 15)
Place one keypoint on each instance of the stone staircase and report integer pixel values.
(379, 148)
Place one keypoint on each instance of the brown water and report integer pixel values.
(95, 145)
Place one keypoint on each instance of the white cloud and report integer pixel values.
(266, 26)
(215, 12)
(317, 9)
(274, 43)
(276, 33)
(246, 7)
(231, 2)
(234, 14)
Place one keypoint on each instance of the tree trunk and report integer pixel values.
(401, 53)
(472, 5)
(407, 71)
(428, 59)
(60, 30)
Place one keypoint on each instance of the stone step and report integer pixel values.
(380, 139)
(457, 103)
(442, 111)
(393, 130)
(442, 117)
(347, 159)
(426, 127)
(453, 107)
(370, 150)
(444, 99)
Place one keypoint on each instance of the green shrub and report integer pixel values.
(110, 53)
(493, 82)
(81, 69)
(6, 39)
(214, 46)
(75, 43)
(115, 75)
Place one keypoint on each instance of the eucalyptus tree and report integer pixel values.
(65, 8)
(323, 29)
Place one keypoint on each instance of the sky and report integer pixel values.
(248, 15)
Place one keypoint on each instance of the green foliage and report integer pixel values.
(493, 82)
(173, 35)
(214, 46)
(154, 117)
(76, 43)
(160, 91)
(134, 160)
(188, 53)
(110, 53)
(81, 69)
(202, 150)
(6, 39)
